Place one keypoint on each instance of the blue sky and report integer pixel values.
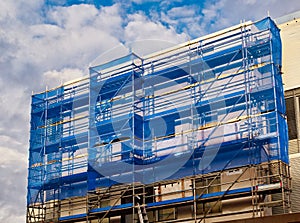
(47, 42)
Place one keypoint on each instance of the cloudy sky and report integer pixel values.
(46, 42)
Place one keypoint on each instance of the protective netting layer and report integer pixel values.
(209, 105)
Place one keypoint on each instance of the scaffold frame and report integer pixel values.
(190, 128)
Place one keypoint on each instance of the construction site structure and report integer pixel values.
(194, 133)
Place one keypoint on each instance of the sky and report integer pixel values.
(48, 42)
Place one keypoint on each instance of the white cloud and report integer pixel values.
(77, 35)
(181, 12)
(196, 20)
(144, 1)
(12, 10)
(55, 78)
(185, 18)
(140, 27)
(11, 155)
(220, 14)
(73, 17)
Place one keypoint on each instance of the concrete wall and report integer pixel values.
(290, 35)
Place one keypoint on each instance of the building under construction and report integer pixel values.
(194, 133)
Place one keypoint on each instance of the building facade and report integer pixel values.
(289, 26)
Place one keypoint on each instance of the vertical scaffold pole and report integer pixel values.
(133, 135)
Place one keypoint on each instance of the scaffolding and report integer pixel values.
(181, 135)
